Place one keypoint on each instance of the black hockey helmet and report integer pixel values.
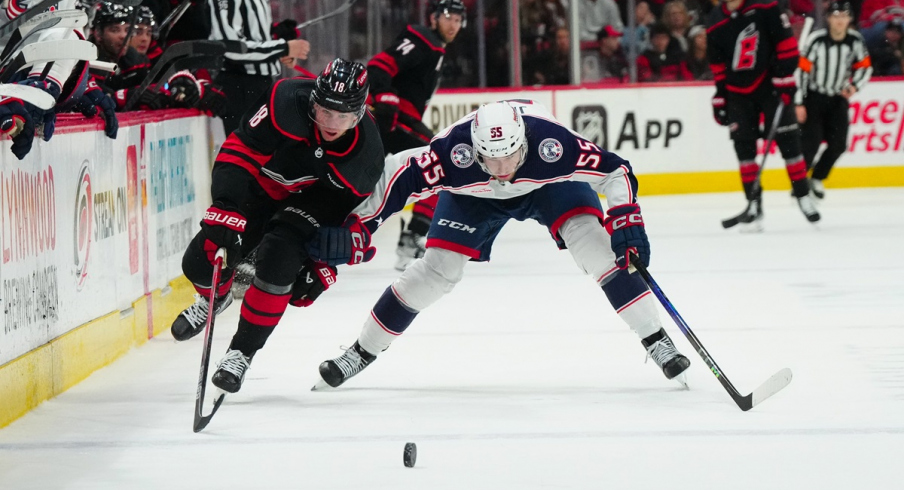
(840, 6)
(446, 7)
(109, 13)
(341, 87)
(145, 16)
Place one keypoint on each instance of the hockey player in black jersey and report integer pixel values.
(753, 55)
(302, 158)
(403, 78)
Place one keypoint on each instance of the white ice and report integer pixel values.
(524, 378)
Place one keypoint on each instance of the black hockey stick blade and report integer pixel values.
(334, 13)
(773, 385)
(202, 420)
(166, 26)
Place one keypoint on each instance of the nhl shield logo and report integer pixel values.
(550, 150)
(462, 155)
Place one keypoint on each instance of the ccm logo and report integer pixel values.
(628, 220)
(457, 226)
(225, 219)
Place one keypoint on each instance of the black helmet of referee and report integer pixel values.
(839, 6)
(341, 87)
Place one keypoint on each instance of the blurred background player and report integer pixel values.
(245, 76)
(753, 55)
(521, 154)
(835, 66)
(403, 79)
(304, 159)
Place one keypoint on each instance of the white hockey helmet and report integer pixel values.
(497, 131)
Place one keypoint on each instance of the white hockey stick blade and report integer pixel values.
(33, 95)
(60, 49)
(67, 18)
(773, 385)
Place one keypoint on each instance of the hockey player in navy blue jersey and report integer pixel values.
(506, 160)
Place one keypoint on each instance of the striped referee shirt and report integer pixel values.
(828, 66)
(248, 21)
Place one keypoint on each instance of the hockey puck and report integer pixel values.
(409, 457)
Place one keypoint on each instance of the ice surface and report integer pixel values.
(524, 378)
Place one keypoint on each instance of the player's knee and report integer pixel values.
(588, 244)
(428, 279)
(745, 149)
(279, 256)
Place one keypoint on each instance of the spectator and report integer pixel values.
(661, 64)
(550, 67)
(596, 15)
(539, 20)
(613, 62)
(678, 21)
(643, 19)
(888, 58)
(697, 63)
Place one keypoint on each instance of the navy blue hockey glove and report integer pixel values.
(287, 29)
(16, 122)
(625, 225)
(349, 244)
(45, 121)
(313, 279)
(720, 110)
(93, 102)
(223, 226)
(185, 89)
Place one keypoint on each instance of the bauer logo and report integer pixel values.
(550, 150)
(590, 122)
(84, 222)
(462, 155)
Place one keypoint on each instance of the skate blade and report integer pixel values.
(752, 227)
(682, 380)
(321, 385)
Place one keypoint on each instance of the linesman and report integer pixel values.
(835, 66)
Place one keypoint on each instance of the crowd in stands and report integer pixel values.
(669, 38)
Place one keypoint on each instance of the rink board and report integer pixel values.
(92, 232)
(667, 133)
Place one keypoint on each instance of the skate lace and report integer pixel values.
(661, 352)
(350, 363)
(235, 362)
(196, 314)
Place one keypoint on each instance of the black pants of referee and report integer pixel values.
(827, 120)
(242, 91)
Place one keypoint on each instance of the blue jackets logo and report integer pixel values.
(550, 150)
(462, 155)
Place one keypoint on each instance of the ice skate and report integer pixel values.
(337, 371)
(231, 371)
(752, 219)
(661, 349)
(192, 320)
(808, 207)
(817, 189)
(410, 248)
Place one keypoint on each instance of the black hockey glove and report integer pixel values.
(720, 110)
(223, 226)
(16, 122)
(625, 225)
(153, 98)
(185, 90)
(786, 87)
(313, 279)
(386, 111)
(93, 102)
(287, 29)
(349, 244)
(213, 103)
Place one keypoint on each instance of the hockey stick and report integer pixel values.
(176, 52)
(33, 95)
(772, 385)
(170, 21)
(201, 421)
(47, 51)
(8, 28)
(13, 47)
(323, 17)
(746, 216)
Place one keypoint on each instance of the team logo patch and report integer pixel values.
(550, 150)
(318, 153)
(462, 155)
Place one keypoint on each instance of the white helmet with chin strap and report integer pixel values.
(498, 131)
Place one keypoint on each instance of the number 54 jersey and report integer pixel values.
(449, 163)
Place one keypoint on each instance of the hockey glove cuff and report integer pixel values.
(625, 226)
(349, 244)
(185, 89)
(313, 279)
(213, 103)
(223, 227)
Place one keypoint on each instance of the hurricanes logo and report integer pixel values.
(84, 220)
(550, 150)
(462, 155)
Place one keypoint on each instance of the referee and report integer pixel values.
(834, 67)
(246, 76)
